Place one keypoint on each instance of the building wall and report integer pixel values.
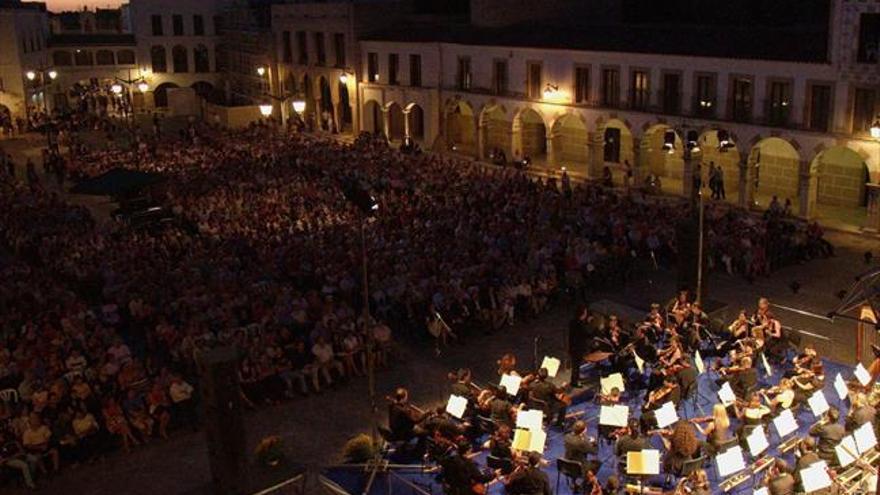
(23, 34)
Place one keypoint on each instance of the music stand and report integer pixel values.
(730, 462)
(643, 464)
(511, 383)
(785, 423)
(617, 416)
(841, 388)
(815, 478)
(610, 382)
(725, 393)
(456, 406)
(862, 375)
(846, 451)
(865, 437)
(551, 364)
(530, 419)
(666, 415)
(818, 403)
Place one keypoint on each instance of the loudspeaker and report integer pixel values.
(224, 421)
(687, 240)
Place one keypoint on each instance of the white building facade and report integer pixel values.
(24, 31)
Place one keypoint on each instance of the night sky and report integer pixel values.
(59, 5)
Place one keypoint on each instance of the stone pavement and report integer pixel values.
(316, 428)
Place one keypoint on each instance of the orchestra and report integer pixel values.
(659, 361)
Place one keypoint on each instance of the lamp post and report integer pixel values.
(139, 82)
(45, 75)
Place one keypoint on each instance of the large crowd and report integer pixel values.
(103, 326)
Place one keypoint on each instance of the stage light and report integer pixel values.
(31, 75)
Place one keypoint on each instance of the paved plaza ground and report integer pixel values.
(315, 428)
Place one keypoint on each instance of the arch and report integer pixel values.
(345, 118)
(373, 118)
(416, 117)
(396, 123)
(842, 174)
(774, 169)
(158, 59)
(160, 94)
(105, 57)
(461, 131)
(496, 130)
(325, 104)
(180, 59)
(616, 139)
(656, 160)
(728, 158)
(125, 57)
(62, 58)
(529, 134)
(201, 59)
(570, 140)
(83, 57)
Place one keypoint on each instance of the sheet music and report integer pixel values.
(761, 491)
(846, 451)
(643, 462)
(757, 441)
(840, 387)
(530, 419)
(456, 406)
(818, 403)
(865, 437)
(815, 478)
(612, 381)
(551, 364)
(730, 461)
(640, 363)
(666, 415)
(614, 415)
(862, 375)
(725, 393)
(511, 383)
(785, 423)
(698, 362)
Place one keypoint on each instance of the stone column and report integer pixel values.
(873, 221)
(481, 141)
(406, 124)
(386, 123)
(597, 155)
(687, 175)
(551, 152)
(638, 171)
(745, 186)
(808, 186)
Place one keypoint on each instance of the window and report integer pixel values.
(864, 105)
(83, 57)
(180, 58)
(704, 96)
(819, 107)
(62, 59)
(320, 50)
(339, 49)
(611, 152)
(869, 38)
(741, 102)
(158, 59)
(640, 92)
(464, 73)
(198, 25)
(610, 88)
(105, 57)
(415, 70)
(533, 80)
(393, 66)
(157, 25)
(581, 85)
(177, 24)
(201, 59)
(125, 57)
(671, 93)
(218, 26)
(779, 103)
(373, 67)
(499, 77)
(302, 48)
(286, 49)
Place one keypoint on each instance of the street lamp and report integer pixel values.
(143, 87)
(31, 75)
(261, 71)
(116, 89)
(343, 78)
(266, 109)
(875, 129)
(53, 74)
(299, 105)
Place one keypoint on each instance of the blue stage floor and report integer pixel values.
(353, 481)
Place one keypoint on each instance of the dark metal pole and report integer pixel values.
(370, 344)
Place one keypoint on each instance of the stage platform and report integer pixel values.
(352, 481)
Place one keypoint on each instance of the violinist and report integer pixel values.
(632, 440)
(618, 341)
(500, 443)
(460, 473)
(462, 385)
(717, 429)
(529, 480)
(403, 417)
(655, 319)
(501, 410)
(607, 432)
(680, 306)
(743, 377)
(779, 479)
(807, 455)
(782, 395)
(548, 393)
(681, 446)
(829, 432)
(669, 392)
(507, 365)
(752, 414)
(697, 483)
(739, 329)
(860, 412)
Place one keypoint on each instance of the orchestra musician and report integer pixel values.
(829, 433)
(507, 365)
(403, 417)
(500, 443)
(528, 479)
(783, 395)
(752, 414)
(578, 446)
(681, 445)
(680, 306)
(669, 391)
(581, 332)
(717, 429)
(807, 455)
(632, 440)
(460, 473)
(860, 412)
(463, 386)
(501, 410)
(696, 483)
(779, 479)
(543, 390)
(742, 377)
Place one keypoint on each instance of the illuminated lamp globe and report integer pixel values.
(299, 106)
(266, 110)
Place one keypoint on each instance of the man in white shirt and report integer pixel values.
(325, 359)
